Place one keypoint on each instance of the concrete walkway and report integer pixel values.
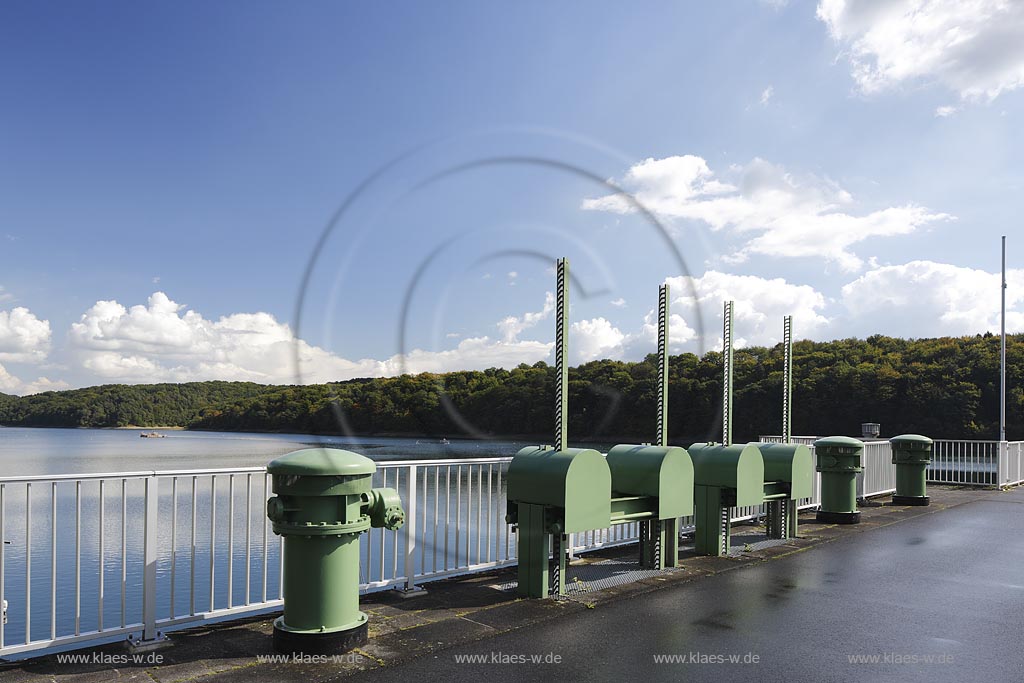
(930, 593)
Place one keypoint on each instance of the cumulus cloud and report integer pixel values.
(973, 47)
(777, 213)
(512, 326)
(161, 341)
(760, 304)
(766, 95)
(24, 338)
(594, 339)
(9, 384)
(925, 299)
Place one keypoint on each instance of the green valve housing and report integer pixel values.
(724, 477)
(324, 501)
(552, 493)
(911, 453)
(788, 472)
(839, 461)
(652, 485)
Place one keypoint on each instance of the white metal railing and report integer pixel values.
(94, 557)
(878, 475)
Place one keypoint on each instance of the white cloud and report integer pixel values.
(766, 95)
(945, 111)
(593, 339)
(9, 384)
(760, 305)
(927, 299)
(779, 214)
(973, 47)
(512, 326)
(618, 303)
(24, 338)
(162, 341)
(5, 295)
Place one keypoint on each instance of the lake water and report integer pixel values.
(30, 451)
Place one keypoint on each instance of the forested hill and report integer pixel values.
(118, 405)
(946, 387)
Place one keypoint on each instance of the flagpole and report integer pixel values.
(1002, 355)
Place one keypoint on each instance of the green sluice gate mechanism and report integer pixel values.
(324, 501)
(839, 461)
(551, 494)
(911, 453)
(724, 477)
(652, 485)
(788, 471)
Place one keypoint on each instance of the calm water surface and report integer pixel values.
(25, 451)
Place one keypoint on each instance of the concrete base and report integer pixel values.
(837, 517)
(910, 500)
(292, 643)
(415, 592)
(135, 643)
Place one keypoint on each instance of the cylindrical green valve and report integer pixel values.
(324, 502)
(838, 459)
(911, 453)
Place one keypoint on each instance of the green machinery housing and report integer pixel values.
(911, 453)
(740, 475)
(325, 500)
(724, 477)
(553, 493)
(788, 473)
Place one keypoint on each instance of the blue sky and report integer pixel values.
(166, 171)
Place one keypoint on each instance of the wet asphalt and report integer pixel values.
(936, 598)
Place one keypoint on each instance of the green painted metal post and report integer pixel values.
(727, 315)
(665, 532)
(712, 520)
(787, 379)
(663, 312)
(324, 502)
(534, 548)
(561, 350)
(911, 454)
(839, 461)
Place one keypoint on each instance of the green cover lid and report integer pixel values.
(322, 462)
(910, 441)
(838, 442)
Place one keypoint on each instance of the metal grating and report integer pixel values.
(595, 576)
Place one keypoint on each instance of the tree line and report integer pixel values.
(946, 388)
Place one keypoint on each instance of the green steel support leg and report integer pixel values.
(775, 519)
(559, 563)
(671, 547)
(644, 538)
(533, 548)
(793, 518)
(712, 519)
(653, 544)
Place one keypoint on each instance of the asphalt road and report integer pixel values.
(937, 598)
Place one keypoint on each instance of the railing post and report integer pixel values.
(411, 589)
(151, 529)
(1003, 464)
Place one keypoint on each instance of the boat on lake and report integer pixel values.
(152, 435)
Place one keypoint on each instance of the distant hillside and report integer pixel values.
(946, 387)
(118, 405)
